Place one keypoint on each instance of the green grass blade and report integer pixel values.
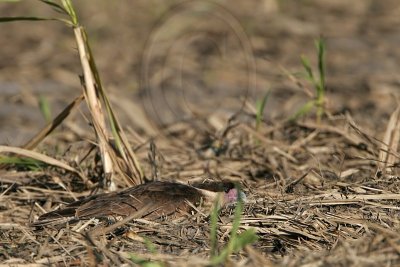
(246, 238)
(260, 106)
(69, 8)
(55, 6)
(319, 85)
(304, 110)
(234, 244)
(12, 19)
(150, 246)
(320, 44)
(321, 62)
(213, 230)
(22, 162)
(307, 66)
(45, 109)
(144, 262)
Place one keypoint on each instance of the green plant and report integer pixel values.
(318, 83)
(44, 107)
(144, 262)
(214, 229)
(23, 162)
(260, 106)
(236, 241)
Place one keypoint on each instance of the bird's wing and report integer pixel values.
(153, 200)
(160, 198)
(163, 199)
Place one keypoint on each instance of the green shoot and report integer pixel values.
(320, 44)
(21, 162)
(213, 230)
(44, 107)
(69, 9)
(236, 242)
(143, 262)
(304, 110)
(319, 84)
(58, 8)
(260, 106)
(150, 246)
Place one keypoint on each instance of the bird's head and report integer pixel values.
(234, 195)
(226, 192)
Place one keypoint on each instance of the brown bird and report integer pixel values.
(158, 198)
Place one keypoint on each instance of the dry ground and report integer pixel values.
(187, 77)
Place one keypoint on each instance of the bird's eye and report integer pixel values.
(228, 187)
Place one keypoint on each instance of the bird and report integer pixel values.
(158, 198)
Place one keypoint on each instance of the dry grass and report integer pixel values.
(315, 198)
(319, 194)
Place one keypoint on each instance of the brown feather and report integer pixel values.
(166, 199)
(223, 186)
